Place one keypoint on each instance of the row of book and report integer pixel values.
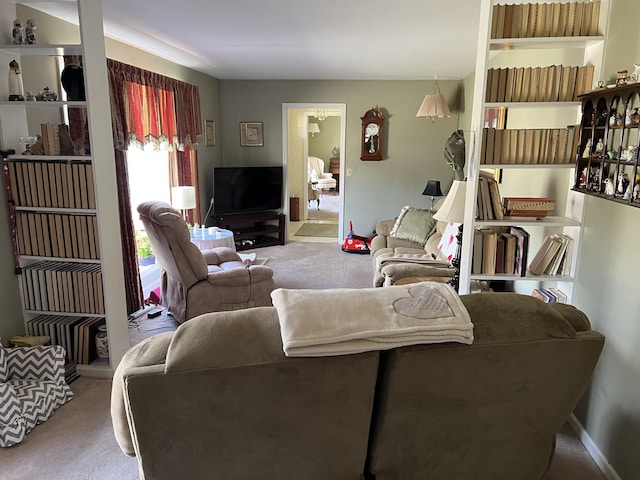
(52, 183)
(530, 146)
(550, 295)
(69, 287)
(75, 334)
(500, 250)
(57, 235)
(529, 20)
(554, 83)
(553, 256)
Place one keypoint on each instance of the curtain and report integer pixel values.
(149, 108)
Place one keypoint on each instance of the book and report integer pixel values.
(519, 206)
(477, 252)
(510, 245)
(522, 250)
(541, 295)
(499, 262)
(544, 255)
(561, 297)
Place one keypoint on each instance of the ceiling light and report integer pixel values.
(434, 105)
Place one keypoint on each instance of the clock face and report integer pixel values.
(372, 129)
(372, 135)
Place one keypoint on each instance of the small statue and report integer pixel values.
(599, 148)
(601, 121)
(615, 120)
(623, 182)
(16, 89)
(608, 187)
(18, 37)
(30, 32)
(627, 193)
(627, 154)
(635, 75)
(636, 192)
(622, 77)
(587, 149)
(612, 155)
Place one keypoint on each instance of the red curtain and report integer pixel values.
(150, 108)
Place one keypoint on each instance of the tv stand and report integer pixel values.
(255, 229)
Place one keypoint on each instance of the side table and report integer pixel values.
(208, 238)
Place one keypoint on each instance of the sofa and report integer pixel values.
(218, 399)
(415, 254)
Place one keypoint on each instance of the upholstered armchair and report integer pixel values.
(32, 387)
(325, 180)
(196, 282)
(313, 195)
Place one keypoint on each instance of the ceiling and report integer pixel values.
(293, 39)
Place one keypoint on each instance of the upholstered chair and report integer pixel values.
(32, 387)
(325, 180)
(196, 282)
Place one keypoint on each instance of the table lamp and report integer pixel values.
(183, 198)
(432, 189)
(452, 210)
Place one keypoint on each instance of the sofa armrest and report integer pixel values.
(150, 352)
(383, 227)
(393, 272)
(219, 255)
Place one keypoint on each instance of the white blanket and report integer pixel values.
(419, 258)
(317, 323)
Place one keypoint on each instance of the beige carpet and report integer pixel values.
(77, 442)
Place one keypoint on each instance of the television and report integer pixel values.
(246, 189)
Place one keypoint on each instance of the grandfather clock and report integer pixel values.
(372, 140)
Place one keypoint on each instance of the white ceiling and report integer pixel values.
(295, 39)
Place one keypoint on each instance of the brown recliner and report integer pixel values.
(196, 282)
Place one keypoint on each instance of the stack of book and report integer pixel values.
(552, 83)
(500, 251)
(554, 256)
(76, 334)
(549, 295)
(488, 200)
(529, 146)
(529, 20)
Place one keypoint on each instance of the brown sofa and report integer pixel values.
(385, 247)
(218, 399)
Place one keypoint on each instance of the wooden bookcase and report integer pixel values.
(68, 255)
(607, 160)
(255, 229)
(533, 61)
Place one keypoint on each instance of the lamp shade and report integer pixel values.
(452, 209)
(314, 128)
(432, 188)
(434, 106)
(183, 198)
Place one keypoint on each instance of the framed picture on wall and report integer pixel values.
(251, 134)
(210, 133)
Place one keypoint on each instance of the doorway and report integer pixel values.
(319, 211)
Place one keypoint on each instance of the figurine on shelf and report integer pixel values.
(612, 155)
(608, 187)
(16, 89)
(18, 36)
(601, 121)
(599, 152)
(615, 120)
(627, 154)
(635, 75)
(627, 193)
(587, 149)
(623, 182)
(46, 95)
(622, 77)
(30, 32)
(636, 192)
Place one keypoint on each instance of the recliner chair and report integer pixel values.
(196, 282)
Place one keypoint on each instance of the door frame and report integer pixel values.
(285, 160)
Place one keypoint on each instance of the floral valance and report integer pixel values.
(149, 108)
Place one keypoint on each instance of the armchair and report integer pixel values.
(32, 387)
(196, 282)
(316, 171)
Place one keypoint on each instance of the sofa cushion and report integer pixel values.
(4, 373)
(512, 317)
(414, 225)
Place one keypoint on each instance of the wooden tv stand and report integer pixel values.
(261, 229)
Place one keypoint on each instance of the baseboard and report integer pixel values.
(593, 449)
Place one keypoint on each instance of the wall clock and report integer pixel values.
(372, 141)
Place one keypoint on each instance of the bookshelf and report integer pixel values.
(68, 255)
(535, 60)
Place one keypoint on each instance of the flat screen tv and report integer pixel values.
(246, 189)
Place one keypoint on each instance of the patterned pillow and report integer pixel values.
(3, 365)
(448, 244)
(414, 225)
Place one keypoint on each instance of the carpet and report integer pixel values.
(318, 230)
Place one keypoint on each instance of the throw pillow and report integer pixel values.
(414, 225)
(449, 244)
(3, 366)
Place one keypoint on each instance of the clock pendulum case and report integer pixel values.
(372, 135)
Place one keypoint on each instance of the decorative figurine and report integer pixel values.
(599, 153)
(627, 193)
(623, 182)
(622, 77)
(636, 192)
(16, 89)
(608, 187)
(627, 153)
(18, 36)
(635, 75)
(30, 32)
(612, 155)
(615, 120)
(601, 121)
(587, 149)
(46, 95)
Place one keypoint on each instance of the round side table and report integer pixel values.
(208, 238)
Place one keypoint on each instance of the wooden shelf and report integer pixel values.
(262, 229)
